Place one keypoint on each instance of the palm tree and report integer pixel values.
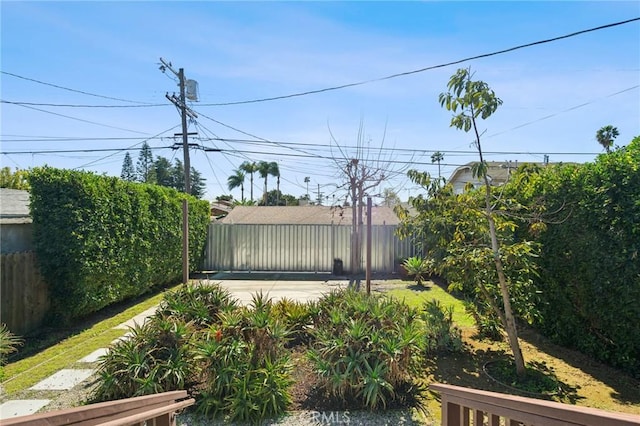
(237, 180)
(437, 157)
(265, 169)
(249, 167)
(307, 179)
(606, 135)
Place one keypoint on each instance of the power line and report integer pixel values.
(248, 134)
(546, 117)
(262, 140)
(311, 92)
(415, 151)
(72, 90)
(67, 151)
(82, 120)
(70, 139)
(406, 73)
(82, 105)
(266, 142)
(132, 146)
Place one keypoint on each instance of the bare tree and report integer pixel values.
(361, 169)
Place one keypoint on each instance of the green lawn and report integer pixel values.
(431, 291)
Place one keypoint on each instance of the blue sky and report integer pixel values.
(556, 95)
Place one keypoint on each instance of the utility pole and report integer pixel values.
(184, 111)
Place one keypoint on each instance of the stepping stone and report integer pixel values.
(95, 355)
(63, 379)
(21, 407)
(126, 336)
(139, 319)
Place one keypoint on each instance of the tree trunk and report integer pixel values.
(509, 322)
(266, 200)
(251, 189)
(354, 231)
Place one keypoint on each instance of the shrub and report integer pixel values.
(157, 357)
(297, 317)
(366, 349)
(487, 325)
(418, 268)
(231, 358)
(441, 334)
(100, 240)
(245, 369)
(590, 274)
(9, 343)
(202, 304)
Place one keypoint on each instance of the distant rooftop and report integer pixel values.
(14, 206)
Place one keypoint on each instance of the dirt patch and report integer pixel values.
(582, 381)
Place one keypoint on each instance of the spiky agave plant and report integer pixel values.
(372, 356)
(9, 343)
(418, 268)
(245, 368)
(156, 357)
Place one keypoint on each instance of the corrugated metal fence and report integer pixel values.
(297, 248)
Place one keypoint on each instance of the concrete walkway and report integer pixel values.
(299, 287)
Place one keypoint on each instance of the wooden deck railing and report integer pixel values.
(150, 410)
(472, 407)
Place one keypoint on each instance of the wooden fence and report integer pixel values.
(471, 407)
(24, 296)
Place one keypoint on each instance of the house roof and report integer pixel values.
(305, 215)
(497, 171)
(220, 209)
(14, 206)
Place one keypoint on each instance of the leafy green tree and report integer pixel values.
(197, 184)
(162, 168)
(177, 175)
(128, 171)
(276, 198)
(236, 180)
(606, 135)
(144, 167)
(391, 198)
(15, 180)
(470, 100)
(250, 168)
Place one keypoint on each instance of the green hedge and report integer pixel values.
(590, 260)
(100, 240)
